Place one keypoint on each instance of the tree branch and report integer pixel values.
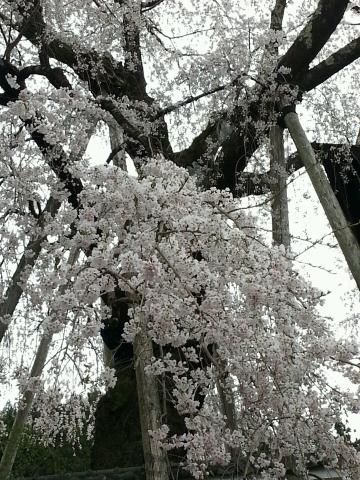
(33, 247)
(58, 160)
(336, 159)
(193, 98)
(107, 78)
(56, 76)
(236, 136)
(149, 5)
(102, 73)
(314, 36)
(24, 268)
(27, 398)
(238, 147)
(331, 65)
(55, 156)
(277, 15)
(133, 58)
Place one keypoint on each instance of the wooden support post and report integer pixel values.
(328, 200)
(279, 202)
(156, 467)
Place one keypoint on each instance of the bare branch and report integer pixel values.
(191, 99)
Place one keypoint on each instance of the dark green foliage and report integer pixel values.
(35, 459)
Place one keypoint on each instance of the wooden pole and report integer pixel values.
(328, 200)
(149, 408)
(278, 177)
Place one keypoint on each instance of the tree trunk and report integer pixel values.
(117, 145)
(328, 200)
(156, 467)
(228, 409)
(117, 433)
(278, 174)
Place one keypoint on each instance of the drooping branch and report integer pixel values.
(12, 445)
(59, 162)
(23, 269)
(34, 245)
(147, 387)
(150, 419)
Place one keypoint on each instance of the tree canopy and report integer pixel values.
(211, 328)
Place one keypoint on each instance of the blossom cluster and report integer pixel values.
(228, 311)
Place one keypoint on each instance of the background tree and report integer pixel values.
(35, 458)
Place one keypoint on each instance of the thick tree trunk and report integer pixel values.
(117, 437)
(149, 408)
(331, 206)
(278, 174)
